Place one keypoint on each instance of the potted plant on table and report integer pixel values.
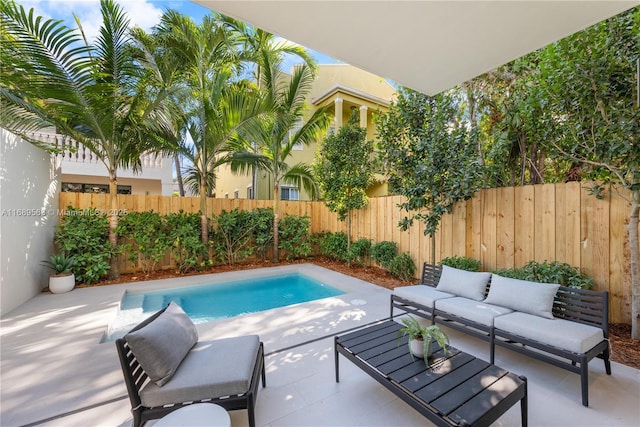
(63, 279)
(421, 337)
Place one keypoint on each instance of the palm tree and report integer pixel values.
(276, 135)
(218, 103)
(51, 75)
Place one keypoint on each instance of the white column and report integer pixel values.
(338, 113)
(363, 116)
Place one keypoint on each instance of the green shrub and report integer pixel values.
(84, 234)
(294, 237)
(359, 251)
(549, 272)
(187, 249)
(147, 233)
(263, 231)
(334, 245)
(402, 267)
(462, 263)
(384, 252)
(233, 232)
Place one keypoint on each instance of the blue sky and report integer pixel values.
(144, 13)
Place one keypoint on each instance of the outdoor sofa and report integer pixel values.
(165, 367)
(563, 326)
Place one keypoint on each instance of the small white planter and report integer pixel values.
(417, 348)
(61, 283)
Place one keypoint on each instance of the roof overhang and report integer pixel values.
(429, 46)
(338, 89)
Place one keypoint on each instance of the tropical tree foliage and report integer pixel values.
(344, 170)
(50, 75)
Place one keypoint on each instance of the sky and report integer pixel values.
(143, 13)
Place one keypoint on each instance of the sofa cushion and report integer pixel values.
(463, 283)
(522, 295)
(161, 345)
(476, 311)
(565, 334)
(212, 369)
(421, 294)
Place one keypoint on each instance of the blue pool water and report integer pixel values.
(204, 303)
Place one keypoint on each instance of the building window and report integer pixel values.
(289, 193)
(75, 187)
(250, 194)
(236, 194)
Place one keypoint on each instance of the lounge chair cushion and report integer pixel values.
(421, 294)
(217, 368)
(522, 295)
(476, 311)
(565, 334)
(463, 283)
(161, 345)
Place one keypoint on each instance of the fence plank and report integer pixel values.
(524, 225)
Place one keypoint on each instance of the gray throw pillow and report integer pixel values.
(161, 345)
(463, 283)
(522, 295)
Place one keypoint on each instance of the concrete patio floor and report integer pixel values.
(55, 371)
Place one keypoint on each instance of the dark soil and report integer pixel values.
(623, 349)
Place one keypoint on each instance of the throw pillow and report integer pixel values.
(463, 283)
(522, 295)
(161, 345)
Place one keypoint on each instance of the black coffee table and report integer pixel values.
(455, 389)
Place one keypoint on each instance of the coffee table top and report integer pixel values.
(457, 386)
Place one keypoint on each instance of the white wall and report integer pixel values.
(29, 188)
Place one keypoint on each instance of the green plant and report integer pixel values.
(147, 234)
(416, 331)
(60, 263)
(359, 251)
(384, 252)
(233, 232)
(84, 234)
(334, 245)
(549, 272)
(263, 231)
(187, 249)
(294, 236)
(402, 267)
(462, 263)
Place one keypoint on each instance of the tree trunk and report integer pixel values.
(176, 160)
(349, 229)
(432, 237)
(114, 271)
(204, 224)
(635, 264)
(276, 220)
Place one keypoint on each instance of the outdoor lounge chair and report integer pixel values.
(165, 367)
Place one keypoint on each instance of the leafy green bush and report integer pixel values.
(334, 245)
(359, 251)
(549, 272)
(84, 234)
(233, 232)
(263, 231)
(384, 252)
(187, 249)
(147, 234)
(402, 267)
(462, 263)
(294, 237)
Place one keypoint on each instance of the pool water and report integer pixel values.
(204, 303)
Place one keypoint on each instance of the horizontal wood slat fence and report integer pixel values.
(502, 227)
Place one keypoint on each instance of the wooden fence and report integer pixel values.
(502, 227)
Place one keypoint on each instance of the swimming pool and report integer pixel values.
(205, 303)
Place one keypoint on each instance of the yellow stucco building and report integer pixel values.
(343, 88)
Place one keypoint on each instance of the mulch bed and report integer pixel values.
(623, 349)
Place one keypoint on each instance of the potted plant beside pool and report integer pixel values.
(63, 280)
(422, 337)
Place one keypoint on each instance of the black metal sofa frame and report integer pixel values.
(576, 305)
(136, 378)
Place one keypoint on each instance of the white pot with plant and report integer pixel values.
(421, 337)
(63, 280)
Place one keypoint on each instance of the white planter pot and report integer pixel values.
(417, 348)
(61, 283)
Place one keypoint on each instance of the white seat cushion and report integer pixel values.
(469, 309)
(421, 294)
(211, 369)
(560, 333)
